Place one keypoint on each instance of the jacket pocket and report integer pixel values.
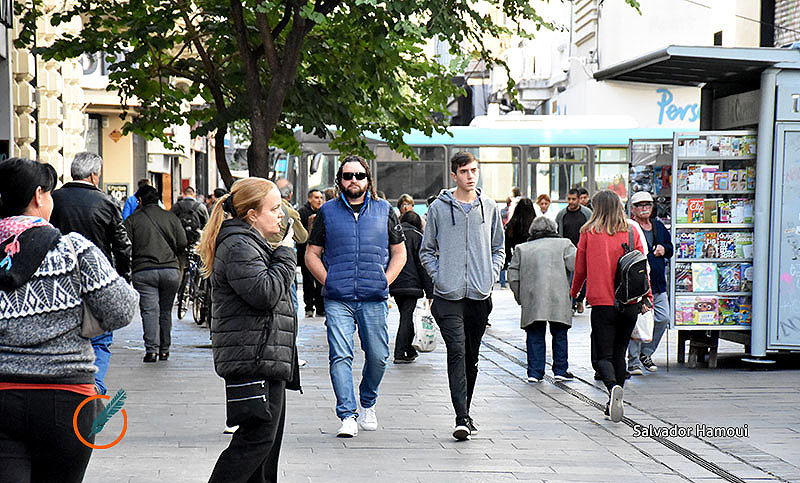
(247, 402)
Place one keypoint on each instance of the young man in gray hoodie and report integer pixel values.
(463, 251)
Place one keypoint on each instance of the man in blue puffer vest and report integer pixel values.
(356, 249)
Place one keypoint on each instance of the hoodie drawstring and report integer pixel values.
(453, 216)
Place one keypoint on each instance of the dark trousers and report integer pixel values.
(462, 324)
(405, 332)
(536, 347)
(252, 456)
(312, 291)
(157, 289)
(37, 442)
(611, 332)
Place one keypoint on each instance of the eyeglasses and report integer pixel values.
(642, 204)
(359, 176)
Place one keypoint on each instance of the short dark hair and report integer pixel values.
(312, 191)
(220, 192)
(461, 158)
(147, 195)
(515, 191)
(413, 219)
(142, 182)
(574, 191)
(582, 191)
(189, 189)
(19, 178)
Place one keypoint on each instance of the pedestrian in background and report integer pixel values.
(583, 197)
(330, 193)
(192, 214)
(543, 207)
(660, 249)
(253, 326)
(312, 289)
(599, 250)
(47, 368)
(356, 251)
(462, 250)
(213, 197)
(569, 221)
(81, 207)
(132, 202)
(518, 227)
(158, 238)
(412, 283)
(299, 233)
(539, 277)
(405, 204)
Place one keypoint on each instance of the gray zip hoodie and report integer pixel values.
(463, 252)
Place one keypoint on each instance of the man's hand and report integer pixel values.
(658, 251)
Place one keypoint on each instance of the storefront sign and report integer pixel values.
(689, 112)
(737, 111)
(117, 191)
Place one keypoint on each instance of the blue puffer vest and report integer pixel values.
(356, 250)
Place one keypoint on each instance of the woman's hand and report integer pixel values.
(288, 240)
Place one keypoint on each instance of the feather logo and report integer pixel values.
(110, 410)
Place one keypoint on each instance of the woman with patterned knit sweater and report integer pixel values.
(46, 366)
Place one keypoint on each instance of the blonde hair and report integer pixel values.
(607, 215)
(246, 194)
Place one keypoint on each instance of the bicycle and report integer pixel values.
(189, 283)
(201, 302)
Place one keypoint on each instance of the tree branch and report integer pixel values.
(287, 14)
(267, 41)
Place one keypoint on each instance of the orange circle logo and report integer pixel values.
(78, 433)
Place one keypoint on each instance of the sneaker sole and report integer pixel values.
(346, 435)
(461, 433)
(563, 379)
(653, 369)
(616, 409)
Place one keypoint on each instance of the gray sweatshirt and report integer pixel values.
(463, 251)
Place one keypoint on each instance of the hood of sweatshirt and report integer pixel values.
(34, 243)
(448, 196)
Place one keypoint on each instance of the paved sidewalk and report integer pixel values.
(528, 432)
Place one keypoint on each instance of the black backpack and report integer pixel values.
(190, 220)
(632, 280)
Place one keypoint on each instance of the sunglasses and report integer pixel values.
(359, 176)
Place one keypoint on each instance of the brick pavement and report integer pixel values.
(543, 432)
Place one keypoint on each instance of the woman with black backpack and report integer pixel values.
(599, 250)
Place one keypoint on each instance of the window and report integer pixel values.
(325, 176)
(421, 178)
(554, 171)
(611, 170)
(499, 169)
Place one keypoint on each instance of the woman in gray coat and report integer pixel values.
(539, 277)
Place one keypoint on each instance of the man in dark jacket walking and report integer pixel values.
(363, 254)
(569, 221)
(312, 289)
(192, 213)
(660, 250)
(412, 283)
(80, 206)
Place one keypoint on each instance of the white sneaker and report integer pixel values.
(369, 421)
(615, 409)
(349, 428)
(230, 429)
(302, 362)
(534, 380)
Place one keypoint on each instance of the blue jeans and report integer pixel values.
(102, 358)
(661, 322)
(537, 348)
(294, 297)
(342, 320)
(503, 275)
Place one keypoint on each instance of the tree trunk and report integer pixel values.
(219, 153)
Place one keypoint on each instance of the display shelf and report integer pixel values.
(717, 158)
(713, 225)
(716, 192)
(694, 197)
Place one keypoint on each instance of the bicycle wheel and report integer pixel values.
(199, 300)
(183, 295)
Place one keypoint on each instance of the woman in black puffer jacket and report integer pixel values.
(409, 287)
(253, 325)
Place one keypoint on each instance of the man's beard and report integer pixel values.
(353, 191)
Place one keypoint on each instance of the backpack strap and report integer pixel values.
(160, 231)
(630, 238)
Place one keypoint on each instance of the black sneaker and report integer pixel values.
(473, 429)
(567, 376)
(461, 432)
(648, 363)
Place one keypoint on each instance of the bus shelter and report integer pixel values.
(751, 89)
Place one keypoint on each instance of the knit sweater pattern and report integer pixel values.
(40, 321)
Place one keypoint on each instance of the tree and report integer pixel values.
(354, 64)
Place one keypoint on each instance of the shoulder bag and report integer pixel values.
(90, 325)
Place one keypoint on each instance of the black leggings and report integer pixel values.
(37, 441)
(611, 332)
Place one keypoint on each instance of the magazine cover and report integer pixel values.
(683, 277)
(710, 245)
(726, 244)
(746, 270)
(695, 210)
(710, 210)
(729, 311)
(730, 279)
(684, 311)
(706, 311)
(744, 245)
(682, 211)
(704, 277)
(686, 245)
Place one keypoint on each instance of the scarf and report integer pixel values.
(13, 226)
(536, 234)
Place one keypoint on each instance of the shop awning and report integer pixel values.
(694, 66)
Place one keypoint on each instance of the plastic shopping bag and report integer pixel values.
(643, 331)
(424, 328)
